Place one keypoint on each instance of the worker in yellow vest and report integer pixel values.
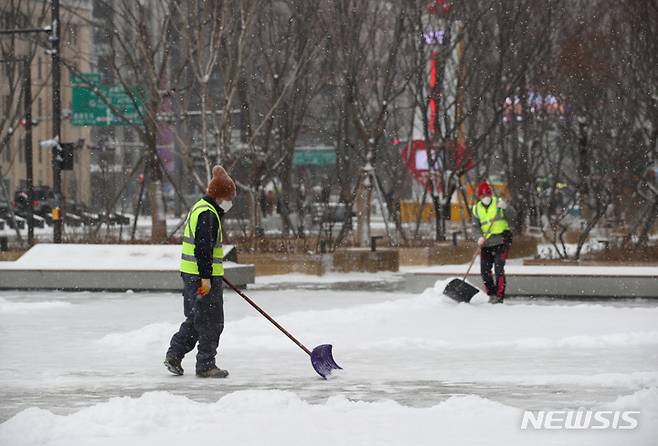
(202, 270)
(491, 217)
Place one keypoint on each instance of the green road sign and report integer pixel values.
(314, 156)
(89, 109)
(85, 78)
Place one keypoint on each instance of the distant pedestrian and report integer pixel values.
(491, 217)
(202, 270)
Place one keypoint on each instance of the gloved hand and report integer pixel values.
(204, 288)
(500, 204)
(481, 242)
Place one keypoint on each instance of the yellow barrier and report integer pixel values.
(409, 212)
(409, 209)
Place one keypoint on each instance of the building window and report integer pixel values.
(39, 68)
(40, 152)
(8, 153)
(39, 108)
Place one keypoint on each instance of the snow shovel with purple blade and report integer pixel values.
(322, 359)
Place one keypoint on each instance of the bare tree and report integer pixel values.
(457, 105)
(367, 39)
(215, 37)
(287, 33)
(638, 42)
(139, 38)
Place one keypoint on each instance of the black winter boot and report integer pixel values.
(493, 299)
(174, 366)
(214, 372)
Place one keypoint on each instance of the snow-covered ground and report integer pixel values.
(99, 257)
(85, 369)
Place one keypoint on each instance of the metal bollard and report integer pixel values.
(373, 242)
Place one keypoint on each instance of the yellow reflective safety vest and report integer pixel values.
(188, 260)
(487, 214)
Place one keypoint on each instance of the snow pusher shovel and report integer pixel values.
(322, 359)
(459, 289)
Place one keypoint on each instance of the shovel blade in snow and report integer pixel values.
(323, 361)
(460, 290)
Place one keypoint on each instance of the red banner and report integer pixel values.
(414, 155)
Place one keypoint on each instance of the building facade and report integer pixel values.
(75, 46)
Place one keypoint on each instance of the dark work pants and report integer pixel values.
(494, 256)
(204, 322)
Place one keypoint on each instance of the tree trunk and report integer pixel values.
(156, 199)
(643, 238)
(362, 209)
(284, 208)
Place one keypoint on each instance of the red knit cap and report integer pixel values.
(221, 186)
(484, 190)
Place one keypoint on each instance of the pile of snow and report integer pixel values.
(282, 418)
(548, 251)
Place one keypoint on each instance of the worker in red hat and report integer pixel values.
(491, 217)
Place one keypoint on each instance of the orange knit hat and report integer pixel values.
(221, 186)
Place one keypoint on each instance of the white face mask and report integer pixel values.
(226, 205)
(486, 201)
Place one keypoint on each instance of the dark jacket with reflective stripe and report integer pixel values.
(205, 238)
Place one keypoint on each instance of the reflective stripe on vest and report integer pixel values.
(486, 215)
(188, 262)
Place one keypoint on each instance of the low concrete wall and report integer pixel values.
(560, 262)
(523, 247)
(344, 260)
(553, 285)
(440, 254)
(10, 256)
(273, 264)
(365, 260)
(447, 253)
(239, 275)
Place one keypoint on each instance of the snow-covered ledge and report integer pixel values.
(106, 267)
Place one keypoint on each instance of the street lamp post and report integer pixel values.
(57, 122)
